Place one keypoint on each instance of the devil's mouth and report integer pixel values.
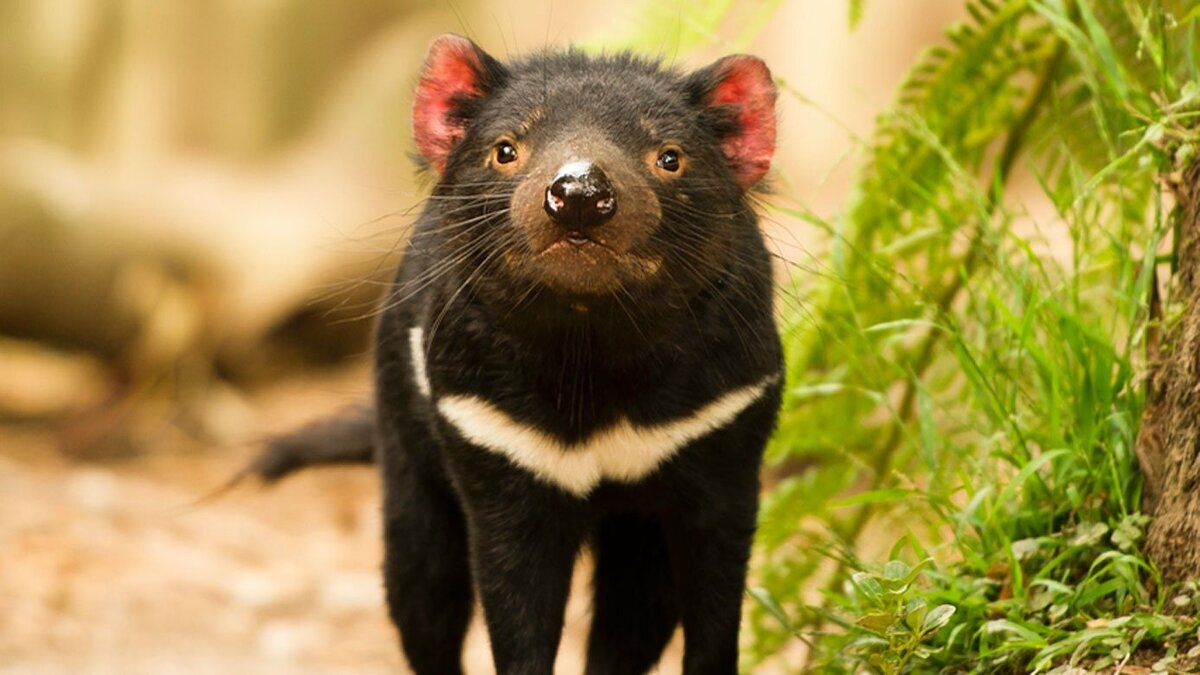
(578, 262)
(578, 240)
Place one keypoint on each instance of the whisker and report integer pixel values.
(404, 292)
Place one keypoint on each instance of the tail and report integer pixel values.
(345, 438)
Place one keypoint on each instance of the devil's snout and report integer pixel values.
(580, 196)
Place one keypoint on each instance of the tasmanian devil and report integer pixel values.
(578, 348)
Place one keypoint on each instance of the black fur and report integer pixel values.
(347, 438)
(462, 520)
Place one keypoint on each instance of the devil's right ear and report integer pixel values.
(457, 75)
(740, 90)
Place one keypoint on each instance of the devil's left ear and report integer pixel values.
(456, 77)
(738, 98)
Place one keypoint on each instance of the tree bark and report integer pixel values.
(1168, 446)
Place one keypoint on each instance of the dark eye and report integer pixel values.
(505, 152)
(669, 161)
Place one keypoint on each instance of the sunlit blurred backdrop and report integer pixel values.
(198, 201)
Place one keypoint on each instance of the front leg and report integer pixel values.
(711, 553)
(524, 539)
(710, 534)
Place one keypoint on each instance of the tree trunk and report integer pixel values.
(1168, 447)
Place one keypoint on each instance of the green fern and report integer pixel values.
(927, 308)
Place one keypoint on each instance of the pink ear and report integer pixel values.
(744, 82)
(453, 74)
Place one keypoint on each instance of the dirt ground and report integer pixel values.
(110, 566)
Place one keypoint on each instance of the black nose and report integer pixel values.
(580, 196)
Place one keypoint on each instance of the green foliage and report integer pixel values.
(856, 11)
(895, 627)
(673, 26)
(963, 378)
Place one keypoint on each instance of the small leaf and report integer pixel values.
(1154, 133)
(895, 570)
(1089, 534)
(868, 586)
(1040, 599)
(867, 644)
(876, 622)
(937, 618)
(1130, 531)
(1002, 626)
(1023, 548)
(1057, 611)
(915, 617)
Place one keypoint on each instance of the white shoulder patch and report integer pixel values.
(623, 452)
(416, 348)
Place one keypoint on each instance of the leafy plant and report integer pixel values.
(963, 379)
(894, 628)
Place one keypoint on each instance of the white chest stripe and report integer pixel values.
(416, 350)
(623, 452)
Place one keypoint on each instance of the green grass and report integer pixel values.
(960, 489)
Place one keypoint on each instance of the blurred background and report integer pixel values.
(198, 201)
